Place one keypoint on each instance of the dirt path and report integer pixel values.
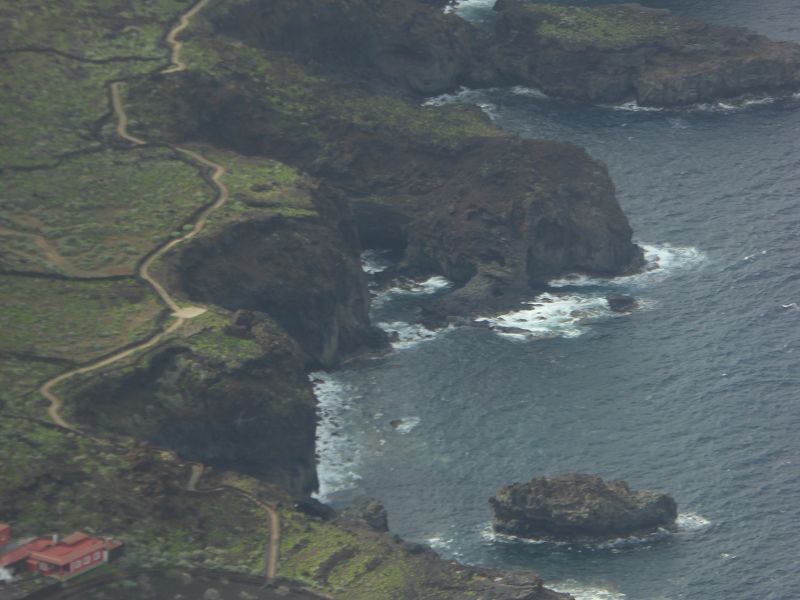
(181, 314)
(273, 544)
(175, 45)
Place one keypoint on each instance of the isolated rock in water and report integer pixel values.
(576, 507)
(367, 511)
(620, 302)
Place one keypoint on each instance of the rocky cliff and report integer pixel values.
(441, 184)
(625, 51)
(231, 393)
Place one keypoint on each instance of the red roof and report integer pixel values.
(22, 552)
(73, 547)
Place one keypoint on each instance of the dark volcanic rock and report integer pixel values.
(578, 507)
(367, 511)
(305, 273)
(409, 44)
(257, 416)
(620, 302)
(625, 51)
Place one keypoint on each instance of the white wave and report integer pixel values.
(728, 106)
(582, 591)
(521, 90)
(432, 285)
(406, 424)
(407, 335)
(734, 105)
(470, 6)
(440, 543)
(490, 535)
(691, 522)
(615, 545)
(550, 315)
(633, 106)
(463, 95)
(337, 456)
(374, 261)
(660, 262)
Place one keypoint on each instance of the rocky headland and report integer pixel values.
(630, 52)
(309, 111)
(578, 507)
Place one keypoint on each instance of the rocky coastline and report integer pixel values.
(314, 108)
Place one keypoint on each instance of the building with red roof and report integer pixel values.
(5, 534)
(75, 554)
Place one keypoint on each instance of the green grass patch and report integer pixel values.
(54, 481)
(99, 213)
(258, 187)
(96, 29)
(213, 340)
(71, 320)
(600, 26)
(20, 379)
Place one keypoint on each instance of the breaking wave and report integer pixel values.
(375, 261)
(661, 261)
(722, 106)
(337, 455)
(585, 592)
(550, 315)
(406, 335)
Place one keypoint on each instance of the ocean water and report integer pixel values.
(696, 392)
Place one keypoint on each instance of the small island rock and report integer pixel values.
(620, 302)
(579, 507)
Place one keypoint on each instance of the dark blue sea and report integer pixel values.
(695, 393)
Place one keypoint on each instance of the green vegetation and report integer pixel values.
(99, 213)
(299, 100)
(213, 340)
(51, 106)
(361, 564)
(259, 187)
(74, 483)
(20, 378)
(94, 29)
(74, 320)
(601, 26)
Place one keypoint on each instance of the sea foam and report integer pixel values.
(585, 592)
(374, 262)
(549, 315)
(661, 261)
(337, 456)
(727, 106)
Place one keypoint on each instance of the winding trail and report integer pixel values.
(175, 45)
(181, 314)
(273, 543)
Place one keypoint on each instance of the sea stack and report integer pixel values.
(577, 507)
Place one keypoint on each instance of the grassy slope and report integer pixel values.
(93, 206)
(96, 211)
(598, 26)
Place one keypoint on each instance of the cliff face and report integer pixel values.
(461, 198)
(229, 395)
(625, 51)
(304, 272)
(408, 44)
